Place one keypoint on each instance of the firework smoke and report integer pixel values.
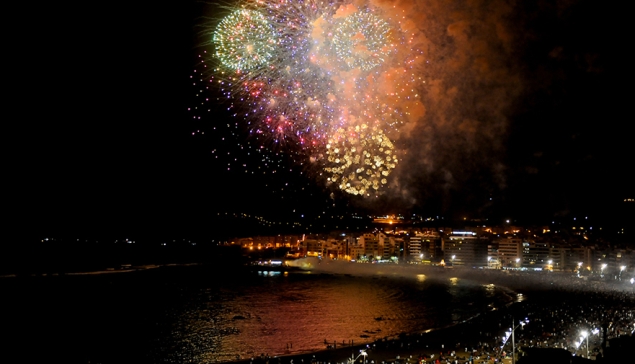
(317, 82)
(431, 79)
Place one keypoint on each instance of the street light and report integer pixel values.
(361, 353)
(511, 333)
(586, 335)
(602, 270)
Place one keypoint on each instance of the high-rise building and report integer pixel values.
(414, 247)
(535, 255)
(465, 249)
(510, 252)
(432, 245)
(373, 245)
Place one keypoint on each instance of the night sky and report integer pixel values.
(526, 116)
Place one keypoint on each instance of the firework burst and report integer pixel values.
(244, 40)
(359, 159)
(334, 78)
(361, 41)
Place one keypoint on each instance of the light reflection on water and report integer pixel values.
(206, 314)
(276, 313)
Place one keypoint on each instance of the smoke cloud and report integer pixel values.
(453, 141)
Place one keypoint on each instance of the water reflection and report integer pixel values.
(274, 313)
(271, 273)
(205, 314)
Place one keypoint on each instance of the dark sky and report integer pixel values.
(538, 125)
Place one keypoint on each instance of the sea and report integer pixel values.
(209, 314)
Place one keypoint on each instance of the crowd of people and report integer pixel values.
(562, 311)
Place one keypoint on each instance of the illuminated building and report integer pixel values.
(432, 245)
(493, 261)
(619, 261)
(335, 249)
(414, 247)
(398, 246)
(313, 247)
(566, 257)
(598, 258)
(288, 241)
(535, 255)
(510, 249)
(373, 245)
(356, 251)
(465, 249)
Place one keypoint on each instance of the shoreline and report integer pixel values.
(408, 347)
(478, 334)
(403, 348)
(555, 303)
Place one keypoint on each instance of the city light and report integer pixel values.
(585, 335)
(361, 353)
(509, 333)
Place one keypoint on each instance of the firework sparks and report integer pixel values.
(361, 41)
(330, 77)
(359, 159)
(244, 40)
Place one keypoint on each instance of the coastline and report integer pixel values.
(407, 347)
(479, 335)
(537, 295)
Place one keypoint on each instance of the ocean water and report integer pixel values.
(202, 314)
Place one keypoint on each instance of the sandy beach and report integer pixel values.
(556, 309)
(457, 342)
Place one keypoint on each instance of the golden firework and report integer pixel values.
(359, 158)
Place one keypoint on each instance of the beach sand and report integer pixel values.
(407, 348)
(482, 335)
